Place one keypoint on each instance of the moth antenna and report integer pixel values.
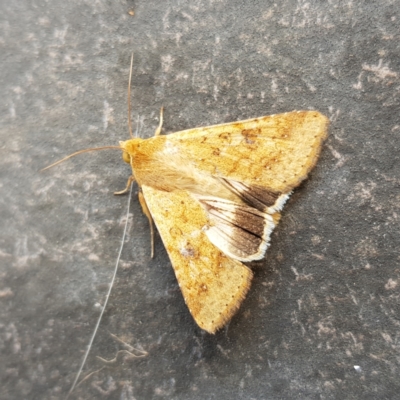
(129, 98)
(106, 299)
(77, 153)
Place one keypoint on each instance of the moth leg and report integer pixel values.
(146, 212)
(131, 179)
(158, 130)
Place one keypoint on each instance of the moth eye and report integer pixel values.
(126, 157)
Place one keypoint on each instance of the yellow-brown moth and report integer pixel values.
(215, 194)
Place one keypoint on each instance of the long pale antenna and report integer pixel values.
(80, 152)
(129, 98)
(74, 384)
(106, 300)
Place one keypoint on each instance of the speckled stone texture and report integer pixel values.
(322, 318)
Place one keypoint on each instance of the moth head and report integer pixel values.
(129, 148)
(125, 153)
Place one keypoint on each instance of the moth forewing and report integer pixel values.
(213, 284)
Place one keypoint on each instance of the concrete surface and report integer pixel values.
(322, 318)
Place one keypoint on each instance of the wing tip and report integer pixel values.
(216, 321)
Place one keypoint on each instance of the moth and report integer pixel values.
(215, 194)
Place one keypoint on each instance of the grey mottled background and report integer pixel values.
(322, 320)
